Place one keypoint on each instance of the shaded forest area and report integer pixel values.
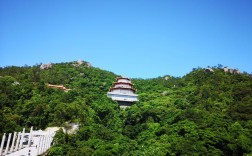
(201, 113)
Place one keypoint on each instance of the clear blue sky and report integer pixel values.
(134, 38)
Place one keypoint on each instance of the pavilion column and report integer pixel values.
(22, 139)
(2, 144)
(8, 144)
(17, 143)
(30, 135)
(13, 141)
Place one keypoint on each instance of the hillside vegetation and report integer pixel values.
(201, 113)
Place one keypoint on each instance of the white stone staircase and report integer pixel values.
(26, 144)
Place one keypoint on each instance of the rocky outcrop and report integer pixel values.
(69, 128)
(232, 71)
(209, 70)
(237, 71)
(15, 83)
(81, 62)
(46, 66)
(167, 78)
(226, 70)
(164, 93)
(89, 65)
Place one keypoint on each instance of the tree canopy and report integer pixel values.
(201, 113)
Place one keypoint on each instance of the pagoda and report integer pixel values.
(123, 92)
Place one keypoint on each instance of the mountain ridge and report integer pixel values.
(202, 113)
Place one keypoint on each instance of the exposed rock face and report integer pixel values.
(15, 83)
(69, 128)
(237, 72)
(89, 65)
(80, 62)
(225, 69)
(209, 70)
(164, 93)
(46, 66)
(167, 78)
(232, 71)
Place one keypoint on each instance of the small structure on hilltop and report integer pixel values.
(123, 92)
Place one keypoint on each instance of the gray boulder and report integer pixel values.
(167, 78)
(89, 65)
(231, 71)
(164, 93)
(80, 62)
(226, 69)
(15, 83)
(209, 70)
(237, 71)
(46, 66)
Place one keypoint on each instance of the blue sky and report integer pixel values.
(134, 38)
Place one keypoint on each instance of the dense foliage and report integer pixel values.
(202, 113)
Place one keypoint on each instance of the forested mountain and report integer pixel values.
(201, 113)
